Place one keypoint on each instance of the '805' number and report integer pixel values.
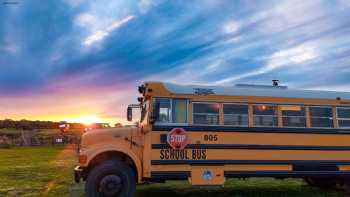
(211, 138)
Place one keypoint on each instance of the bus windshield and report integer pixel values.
(169, 111)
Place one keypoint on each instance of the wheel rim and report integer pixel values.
(111, 185)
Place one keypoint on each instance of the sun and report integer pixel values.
(87, 120)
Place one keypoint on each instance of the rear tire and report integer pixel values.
(326, 183)
(111, 179)
(346, 185)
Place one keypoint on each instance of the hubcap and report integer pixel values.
(111, 185)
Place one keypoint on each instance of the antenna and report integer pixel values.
(275, 82)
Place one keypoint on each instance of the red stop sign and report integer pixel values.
(177, 138)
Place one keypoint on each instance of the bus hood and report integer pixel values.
(105, 135)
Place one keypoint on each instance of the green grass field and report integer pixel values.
(47, 171)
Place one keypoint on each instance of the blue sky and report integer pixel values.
(74, 58)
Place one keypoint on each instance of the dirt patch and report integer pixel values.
(49, 186)
(66, 157)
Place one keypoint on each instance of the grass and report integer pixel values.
(47, 171)
(37, 171)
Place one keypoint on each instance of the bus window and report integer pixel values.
(206, 113)
(161, 110)
(343, 116)
(236, 114)
(293, 116)
(169, 111)
(321, 117)
(179, 107)
(265, 115)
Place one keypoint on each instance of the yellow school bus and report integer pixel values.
(206, 134)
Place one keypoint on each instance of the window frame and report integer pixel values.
(171, 112)
(223, 114)
(206, 102)
(337, 118)
(145, 109)
(267, 104)
(305, 115)
(321, 106)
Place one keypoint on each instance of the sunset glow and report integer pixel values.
(80, 63)
(87, 120)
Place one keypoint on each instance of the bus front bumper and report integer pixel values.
(78, 173)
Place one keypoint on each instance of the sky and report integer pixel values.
(81, 60)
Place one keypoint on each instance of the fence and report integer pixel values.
(7, 141)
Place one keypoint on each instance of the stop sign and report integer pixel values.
(177, 138)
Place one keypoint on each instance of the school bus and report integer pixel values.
(206, 134)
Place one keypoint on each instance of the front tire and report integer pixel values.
(111, 179)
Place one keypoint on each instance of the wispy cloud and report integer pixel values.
(101, 34)
(98, 47)
(231, 27)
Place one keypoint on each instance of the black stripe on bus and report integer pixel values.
(255, 129)
(183, 175)
(262, 162)
(284, 173)
(256, 147)
(172, 175)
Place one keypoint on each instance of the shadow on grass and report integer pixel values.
(249, 188)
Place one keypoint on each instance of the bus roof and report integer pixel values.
(255, 90)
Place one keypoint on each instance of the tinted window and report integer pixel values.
(264, 110)
(206, 113)
(293, 116)
(344, 123)
(343, 112)
(206, 108)
(265, 115)
(343, 115)
(321, 112)
(321, 117)
(235, 114)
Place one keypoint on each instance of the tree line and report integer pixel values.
(36, 124)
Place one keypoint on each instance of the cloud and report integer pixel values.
(145, 5)
(46, 52)
(101, 34)
(231, 27)
(290, 57)
(87, 21)
(341, 88)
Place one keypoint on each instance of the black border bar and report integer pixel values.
(263, 162)
(183, 175)
(256, 147)
(255, 129)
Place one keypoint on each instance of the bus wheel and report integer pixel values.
(111, 179)
(346, 185)
(321, 182)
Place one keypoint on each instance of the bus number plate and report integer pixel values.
(210, 138)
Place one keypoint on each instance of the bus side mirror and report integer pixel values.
(129, 114)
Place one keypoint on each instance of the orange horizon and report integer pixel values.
(81, 120)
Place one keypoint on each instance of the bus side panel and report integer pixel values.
(246, 152)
